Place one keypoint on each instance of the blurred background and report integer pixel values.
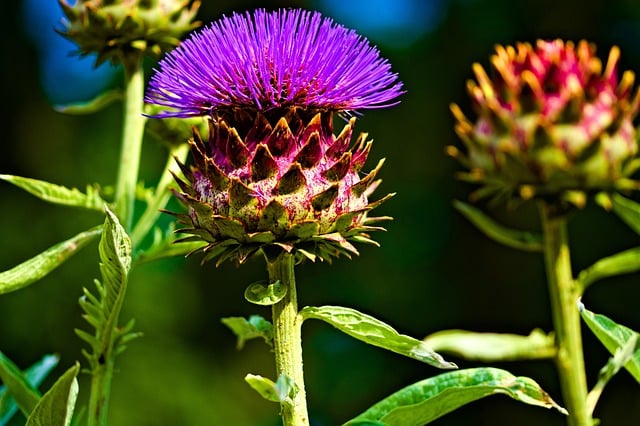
(433, 270)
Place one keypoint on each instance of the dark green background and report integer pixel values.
(433, 271)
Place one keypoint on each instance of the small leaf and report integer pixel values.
(254, 327)
(39, 266)
(375, 332)
(522, 240)
(622, 356)
(491, 347)
(265, 295)
(430, 399)
(34, 376)
(56, 406)
(58, 194)
(625, 262)
(94, 105)
(628, 210)
(613, 336)
(25, 395)
(282, 391)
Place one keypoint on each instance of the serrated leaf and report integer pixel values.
(625, 262)
(491, 347)
(102, 311)
(282, 391)
(521, 240)
(56, 406)
(430, 399)
(613, 336)
(375, 332)
(256, 326)
(34, 375)
(263, 294)
(628, 210)
(42, 264)
(58, 194)
(93, 105)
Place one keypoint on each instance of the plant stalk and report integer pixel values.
(564, 295)
(131, 144)
(287, 339)
(161, 195)
(100, 393)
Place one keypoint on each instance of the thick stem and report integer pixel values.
(287, 339)
(100, 392)
(564, 295)
(131, 144)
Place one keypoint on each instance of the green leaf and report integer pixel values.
(34, 376)
(282, 391)
(265, 295)
(102, 311)
(613, 336)
(622, 356)
(522, 240)
(491, 347)
(39, 266)
(56, 406)
(430, 399)
(375, 332)
(23, 392)
(58, 194)
(628, 210)
(256, 326)
(94, 105)
(625, 262)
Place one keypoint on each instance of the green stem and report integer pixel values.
(287, 339)
(564, 294)
(100, 393)
(161, 195)
(131, 145)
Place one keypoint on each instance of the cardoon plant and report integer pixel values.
(253, 97)
(555, 125)
(271, 178)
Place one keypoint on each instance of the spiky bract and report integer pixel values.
(284, 181)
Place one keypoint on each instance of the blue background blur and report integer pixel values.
(434, 270)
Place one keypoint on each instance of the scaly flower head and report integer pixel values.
(551, 122)
(271, 171)
(114, 29)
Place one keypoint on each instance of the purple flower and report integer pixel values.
(266, 60)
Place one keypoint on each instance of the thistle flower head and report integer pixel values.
(113, 29)
(271, 172)
(551, 122)
(266, 60)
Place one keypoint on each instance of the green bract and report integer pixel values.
(114, 28)
(279, 179)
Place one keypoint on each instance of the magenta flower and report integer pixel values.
(272, 172)
(267, 60)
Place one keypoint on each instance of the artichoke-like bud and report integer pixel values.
(551, 123)
(114, 29)
(271, 173)
(291, 183)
